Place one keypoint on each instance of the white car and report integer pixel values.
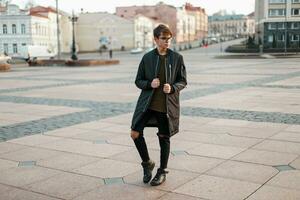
(136, 50)
(4, 58)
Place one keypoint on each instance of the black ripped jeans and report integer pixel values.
(163, 136)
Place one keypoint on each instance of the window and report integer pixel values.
(296, 1)
(295, 25)
(23, 29)
(281, 37)
(296, 11)
(276, 1)
(15, 48)
(281, 25)
(4, 29)
(295, 37)
(5, 48)
(272, 26)
(23, 44)
(270, 38)
(14, 29)
(276, 12)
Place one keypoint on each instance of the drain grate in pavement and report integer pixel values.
(112, 181)
(27, 163)
(283, 168)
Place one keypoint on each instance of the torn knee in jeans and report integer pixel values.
(134, 135)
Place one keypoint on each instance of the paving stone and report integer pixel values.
(195, 164)
(66, 185)
(287, 179)
(6, 164)
(270, 158)
(243, 171)
(66, 161)
(296, 163)
(279, 146)
(287, 136)
(34, 140)
(209, 187)
(275, 193)
(29, 153)
(120, 191)
(216, 151)
(175, 179)
(18, 194)
(86, 148)
(6, 147)
(174, 196)
(108, 169)
(21, 176)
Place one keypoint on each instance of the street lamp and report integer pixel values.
(73, 19)
(285, 32)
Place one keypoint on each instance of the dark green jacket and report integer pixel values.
(175, 76)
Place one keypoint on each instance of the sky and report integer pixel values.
(211, 6)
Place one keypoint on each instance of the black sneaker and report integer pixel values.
(159, 178)
(148, 167)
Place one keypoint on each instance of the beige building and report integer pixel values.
(230, 26)
(201, 20)
(187, 23)
(143, 31)
(278, 23)
(101, 28)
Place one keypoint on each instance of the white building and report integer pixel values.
(186, 26)
(20, 28)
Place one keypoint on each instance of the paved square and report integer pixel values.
(64, 132)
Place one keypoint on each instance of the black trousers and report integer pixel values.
(163, 136)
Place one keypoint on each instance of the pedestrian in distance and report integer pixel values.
(161, 76)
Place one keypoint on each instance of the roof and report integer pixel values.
(40, 9)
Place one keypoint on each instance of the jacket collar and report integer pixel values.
(168, 52)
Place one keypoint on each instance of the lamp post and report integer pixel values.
(73, 19)
(285, 32)
(58, 31)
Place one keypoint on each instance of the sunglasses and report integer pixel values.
(167, 39)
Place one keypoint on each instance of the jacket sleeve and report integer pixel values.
(140, 80)
(180, 80)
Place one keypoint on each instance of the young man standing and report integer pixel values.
(161, 75)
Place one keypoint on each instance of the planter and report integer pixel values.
(4, 67)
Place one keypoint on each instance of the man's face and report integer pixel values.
(163, 41)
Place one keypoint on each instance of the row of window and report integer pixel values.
(282, 25)
(282, 1)
(281, 37)
(14, 47)
(281, 12)
(13, 29)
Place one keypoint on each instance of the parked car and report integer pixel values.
(33, 52)
(136, 50)
(4, 58)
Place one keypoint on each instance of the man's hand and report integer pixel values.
(167, 88)
(155, 83)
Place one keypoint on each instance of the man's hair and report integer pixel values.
(161, 29)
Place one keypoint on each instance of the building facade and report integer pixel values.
(94, 30)
(278, 23)
(231, 26)
(21, 28)
(187, 23)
